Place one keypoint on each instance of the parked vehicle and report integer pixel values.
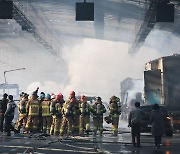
(162, 85)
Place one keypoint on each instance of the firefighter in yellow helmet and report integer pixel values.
(97, 110)
(46, 116)
(115, 111)
(84, 123)
(32, 109)
(56, 108)
(21, 122)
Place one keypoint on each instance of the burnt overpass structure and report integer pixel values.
(128, 21)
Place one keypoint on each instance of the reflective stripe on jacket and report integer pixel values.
(22, 107)
(46, 108)
(113, 108)
(95, 111)
(84, 108)
(33, 108)
(58, 108)
(67, 109)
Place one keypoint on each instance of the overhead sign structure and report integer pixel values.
(6, 9)
(165, 12)
(85, 11)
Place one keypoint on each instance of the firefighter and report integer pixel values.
(76, 113)
(21, 95)
(3, 107)
(41, 99)
(21, 122)
(67, 121)
(52, 112)
(97, 110)
(32, 109)
(9, 115)
(46, 116)
(84, 121)
(56, 108)
(114, 112)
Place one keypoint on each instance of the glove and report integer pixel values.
(129, 125)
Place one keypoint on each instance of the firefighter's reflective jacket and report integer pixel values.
(84, 108)
(56, 107)
(98, 109)
(114, 108)
(71, 108)
(46, 108)
(75, 108)
(67, 109)
(22, 107)
(33, 107)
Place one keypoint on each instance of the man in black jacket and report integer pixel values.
(3, 106)
(9, 115)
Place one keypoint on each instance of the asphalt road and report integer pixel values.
(106, 144)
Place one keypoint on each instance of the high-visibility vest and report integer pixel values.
(33, 108)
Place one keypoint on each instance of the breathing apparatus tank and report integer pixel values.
(98, 109)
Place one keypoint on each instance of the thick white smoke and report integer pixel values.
(94, 67)
(98, 66)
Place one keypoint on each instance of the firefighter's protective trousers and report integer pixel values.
(115, 122)
(66, 126)
(84, 124)
(46, 116)
(32, 123)
(46, 124)
(21, 122)
(98, 125)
